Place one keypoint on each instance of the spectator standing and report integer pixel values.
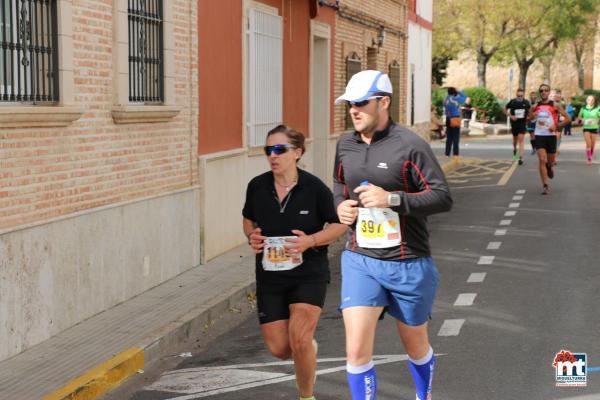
(452, 104)
(571, 111)
(467, 111)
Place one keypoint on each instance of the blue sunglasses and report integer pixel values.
(362, 103)
(277, 149)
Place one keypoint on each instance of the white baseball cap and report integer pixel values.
(365, 84)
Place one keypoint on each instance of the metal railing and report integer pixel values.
(28, 51)
(146, 51)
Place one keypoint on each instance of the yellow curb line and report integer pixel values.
(504, 180)
(450, 165)
(100, 379)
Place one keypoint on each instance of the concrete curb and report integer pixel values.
(100, 379)
(106, 376)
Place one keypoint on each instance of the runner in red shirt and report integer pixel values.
(547, 129)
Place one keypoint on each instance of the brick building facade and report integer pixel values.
(106, 192)
(359, 27)
(99, 194)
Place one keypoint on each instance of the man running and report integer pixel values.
(547, 129)
(517, 110)
(531, 123)
(386, 182)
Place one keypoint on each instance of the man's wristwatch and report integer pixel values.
(394, 199)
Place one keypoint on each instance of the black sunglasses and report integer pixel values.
(277, 149)
(362, 103)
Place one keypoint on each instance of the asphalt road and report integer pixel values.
(519, 283)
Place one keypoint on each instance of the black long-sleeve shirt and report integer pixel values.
(398, 161)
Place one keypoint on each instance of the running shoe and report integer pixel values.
(589, 161)
(550, 171)
(514, 157)
(546, 189)
(520, 161)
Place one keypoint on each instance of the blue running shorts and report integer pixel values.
(406, 289)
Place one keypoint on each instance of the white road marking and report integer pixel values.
(500, 232)
(514, 205)
(451, 327)
(521, 191)
(505, 222)
(195, 383)
(510, 213)
(494, 245)
(465, 299)
(476, 277)
(515, 198)
(485, 260)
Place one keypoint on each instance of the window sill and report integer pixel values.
(144, 114)
(38, 116)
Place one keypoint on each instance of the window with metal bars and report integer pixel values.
(353, 66)
(146, 51)
(28, 51)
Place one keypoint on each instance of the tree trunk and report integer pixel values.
(580, 76)
(547, 64)
(523, 69)
(482, 61)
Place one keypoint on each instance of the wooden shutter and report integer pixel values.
(394, 74)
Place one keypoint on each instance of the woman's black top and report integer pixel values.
(307, 207)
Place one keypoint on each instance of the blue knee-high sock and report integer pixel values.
(422, 372)
(362, 381)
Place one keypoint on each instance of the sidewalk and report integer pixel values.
(96, 355)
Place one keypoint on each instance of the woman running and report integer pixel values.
(589, 114)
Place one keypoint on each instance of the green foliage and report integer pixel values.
(579, 101)
(593, 92)
(438, 69)
(484, 100)
(437, 100)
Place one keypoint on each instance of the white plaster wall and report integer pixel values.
(425, 9)
(419, 55)
(54, 275)
(227, 175)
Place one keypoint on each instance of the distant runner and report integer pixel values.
(516, 110)
(589, 114)
(547, 129)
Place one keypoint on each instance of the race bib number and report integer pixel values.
(377, 228)
(520, 113)
(589, 121)
(276, 257)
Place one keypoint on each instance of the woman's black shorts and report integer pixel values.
(274, 299)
